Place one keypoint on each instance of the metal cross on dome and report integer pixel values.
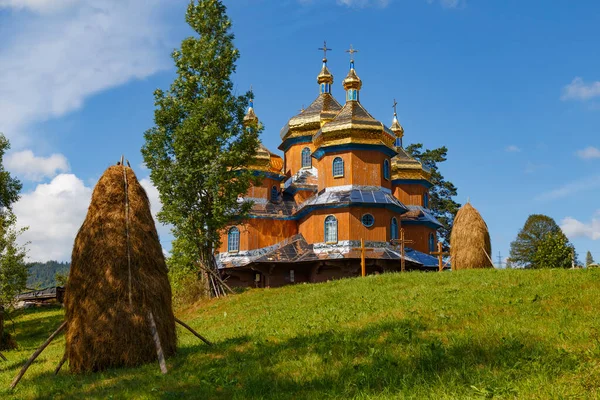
(325, 49)
(351, 51)
(394, 106)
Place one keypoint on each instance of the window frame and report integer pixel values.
(386, 169)
(394, 223)
(233, 230)
(362, 220)
(335, 225)
(305, 151)
(431, 243)
(341, 160)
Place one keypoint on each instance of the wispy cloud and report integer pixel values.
(385, 3)
(60, 52)
(589, 153)
(574, 228)
(513, 149)
(26, 165)
(579, 90)
(571, 189)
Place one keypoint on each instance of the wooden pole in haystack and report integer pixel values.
(470, 245)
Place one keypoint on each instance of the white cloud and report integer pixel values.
(579, 90)
(574, 228)
(155, 206)
(513, 149)
(40, 6)
(26, 165)
(54, 212)
(363, 3)
(51, 62)
(589, 153)
(571, 189)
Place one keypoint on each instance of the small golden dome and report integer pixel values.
(397, 128)
(250, 117)
(352, 81)
(325, 76)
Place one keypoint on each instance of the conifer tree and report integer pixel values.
(441, 202)
(198, 147)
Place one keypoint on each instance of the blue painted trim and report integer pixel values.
(321, 151)
(422, 182)
(268, 174)
(287, 143)
(428, 224)
(293, 189)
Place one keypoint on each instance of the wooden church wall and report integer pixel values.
(263, 191)
(313, 226)
(361, 167)
(293, 158)
(420, 235)
(379, 232)
(256, 233)
(410, 194)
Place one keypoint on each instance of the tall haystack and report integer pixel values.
(118, 288)
(470, 245)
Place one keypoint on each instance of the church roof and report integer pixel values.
(418, 214)
(404, 166)
(324, 107)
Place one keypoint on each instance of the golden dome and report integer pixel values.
(325, 76)
(352, 81)
(397, 128)
(250, 117)
(266, 161)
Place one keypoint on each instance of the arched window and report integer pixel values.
(431, 242)
(426, 200)
(368, 220)
(274, 193)
(394, 228)
(331, 229)
(306, 160)
(338, 167)
(233, 240)
(386, 169)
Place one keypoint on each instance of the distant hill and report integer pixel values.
(42, 275)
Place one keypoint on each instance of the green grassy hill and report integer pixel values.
(473, 334)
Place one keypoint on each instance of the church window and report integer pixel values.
(352, 94)
(306, 160)
(368, 220)
(386, 169)
(431, 242)
(394, 228)
(233, 240)
(331, 228)
(426, 200)
(338, 167)
(274, 193)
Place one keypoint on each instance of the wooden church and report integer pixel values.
(344, 177)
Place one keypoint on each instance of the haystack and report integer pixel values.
(118, 288)
(470, 245)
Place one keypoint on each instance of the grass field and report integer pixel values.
(473, 334)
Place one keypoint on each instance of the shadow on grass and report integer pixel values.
(394, 358)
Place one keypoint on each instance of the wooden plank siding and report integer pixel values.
(420, 235)
(256, 233)
(293, 158)
(410, 194)
(361, 167)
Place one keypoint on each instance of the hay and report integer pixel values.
(470, 240)
(112, 287)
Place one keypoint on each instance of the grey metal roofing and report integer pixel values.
(295, 249)
(362, 194)
(420, 214)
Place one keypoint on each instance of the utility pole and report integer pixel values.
(499, 259)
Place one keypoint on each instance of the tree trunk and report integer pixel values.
(209, 271)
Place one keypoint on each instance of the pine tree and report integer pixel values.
(589, 259)
(198, 147)
(441, 202)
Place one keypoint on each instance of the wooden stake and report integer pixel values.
(64, 359)
(199, 336)
(363, 267)
(159, 350)
(440, 254)
(2, 357)
(36, 354)
(488, 256)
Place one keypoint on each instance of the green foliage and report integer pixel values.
(589, 259)
(538, 229)
(554, 251)
(43, 275)
(442, 205)
(198, 147)
(509, 334)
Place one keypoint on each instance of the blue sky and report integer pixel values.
(512, 88)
